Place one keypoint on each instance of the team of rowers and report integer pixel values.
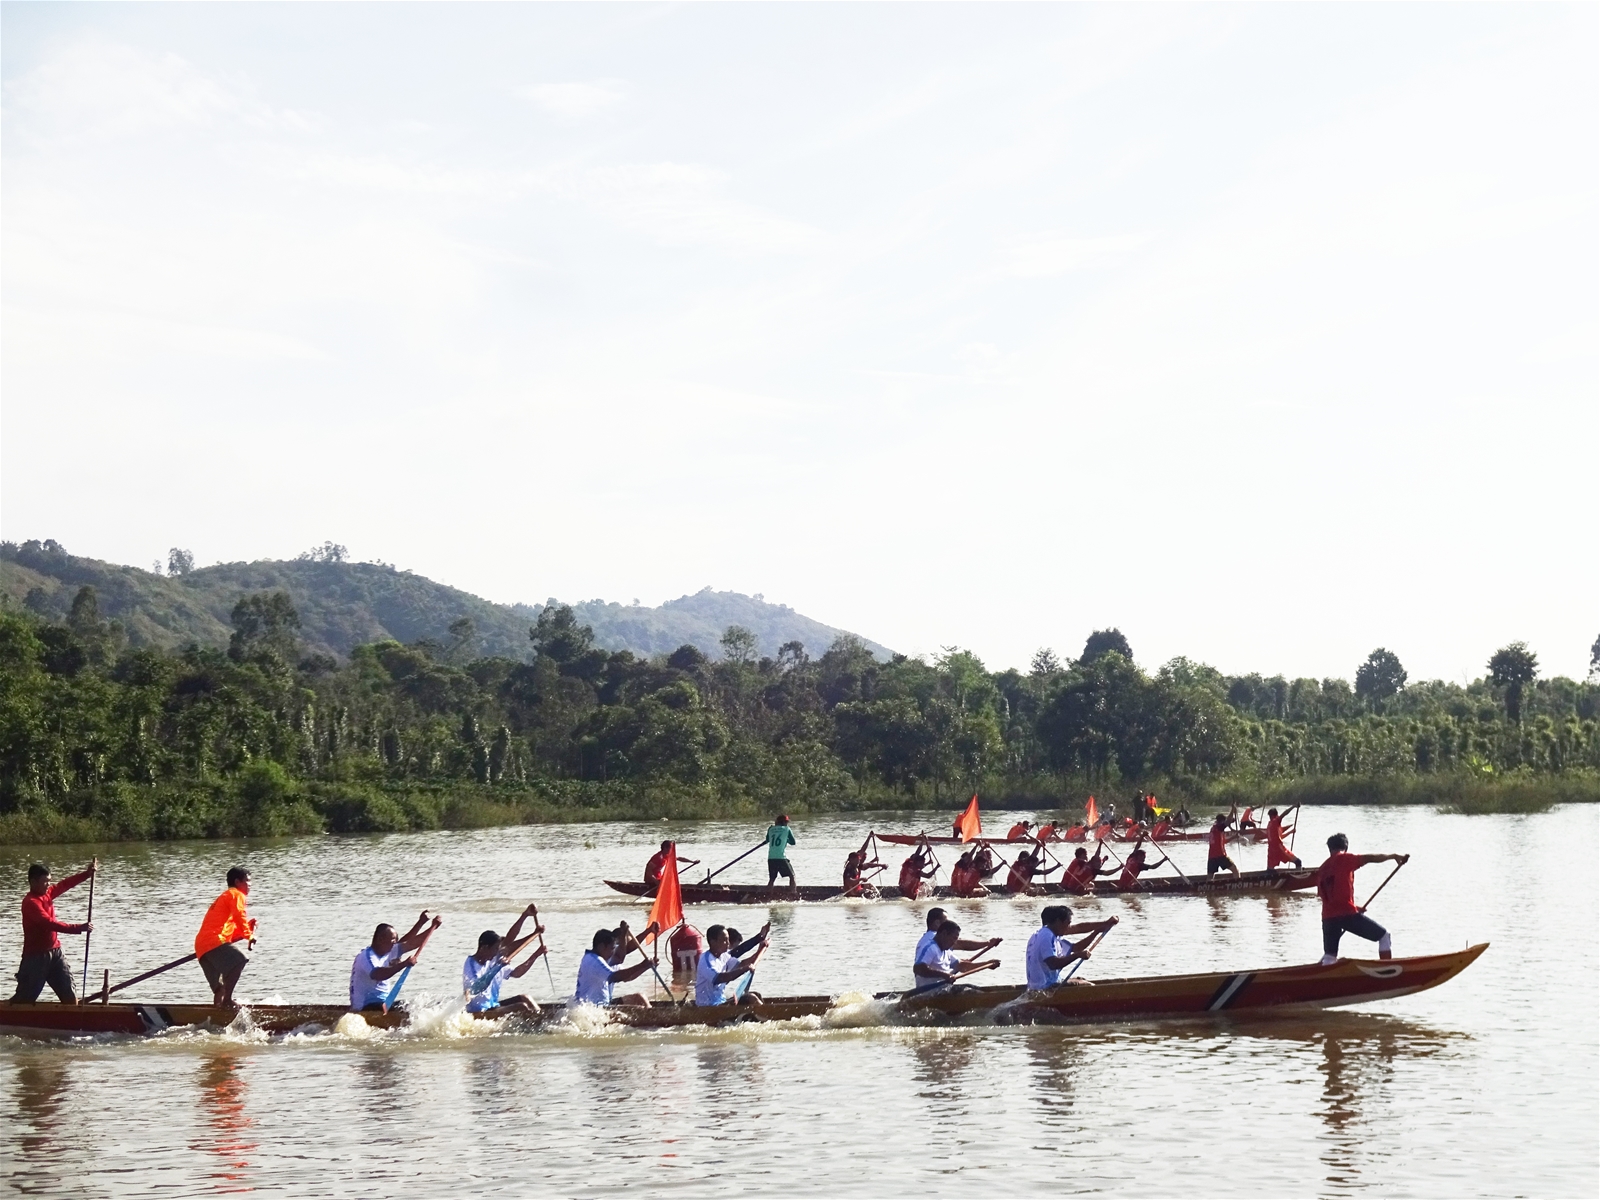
(977, 865)
(722, 963)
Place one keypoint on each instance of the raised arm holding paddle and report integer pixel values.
(1336, 884)
(43, 961)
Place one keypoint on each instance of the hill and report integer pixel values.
(344, 604)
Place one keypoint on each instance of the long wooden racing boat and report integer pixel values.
(1163, 885)
(1209, 995)
(1247, 837)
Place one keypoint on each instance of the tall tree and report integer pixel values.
(1102, 641)
(1380, 677)
(1512, 668)
(179, 562)
(739, 645)
(1594, 660)
(558, 636)
(265, 625)
(1044, 664)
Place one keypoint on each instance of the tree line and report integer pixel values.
(265, 738)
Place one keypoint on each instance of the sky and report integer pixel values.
(1266, 334)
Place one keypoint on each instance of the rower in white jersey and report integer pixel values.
(598, 972)
(716, 975)
(1050, 951)
(488, 969)
(936, 918)
(938, 965)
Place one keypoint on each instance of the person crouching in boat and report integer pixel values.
(487, 970)
(1135, 864)
(1336, 884)
(375, 973)
(42, 960)
(986, 862)
(1217, 851)
(598, 974)
(719, 970)
(965, 881)
(1050, 952)
(937, 917)
(1277, 852)
(855, 866)
(226, 923)
(938, 966)
(1019, 881)
(917, 867)
(1082, 871)
(658, 863)
(1019, 831)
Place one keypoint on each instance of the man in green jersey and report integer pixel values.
(779, 839)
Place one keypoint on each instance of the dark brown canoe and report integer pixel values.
(1248, 882)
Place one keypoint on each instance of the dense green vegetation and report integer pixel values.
(345, 604)
(102, 739)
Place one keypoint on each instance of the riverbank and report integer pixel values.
(264, 801)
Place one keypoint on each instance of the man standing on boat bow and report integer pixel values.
(1336, 884)
(779, 838)
(1049, 951)
(42, 960)
(226, 923)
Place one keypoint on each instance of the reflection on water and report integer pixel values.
(227, 1131)
(1459, 1091)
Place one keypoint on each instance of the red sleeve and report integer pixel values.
(33, 915)
(67, 884)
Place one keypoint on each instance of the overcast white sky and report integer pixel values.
(1267, 334)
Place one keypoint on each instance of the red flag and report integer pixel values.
(968, 822)
(667, 911)
(1091, 813)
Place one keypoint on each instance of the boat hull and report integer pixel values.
(1248, 882)
(1205, 996)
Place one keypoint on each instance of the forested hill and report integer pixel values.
(346, 604)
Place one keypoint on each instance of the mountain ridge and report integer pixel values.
(344, 604)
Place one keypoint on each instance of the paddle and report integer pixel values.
(725, 866)
(88, 920)
(1293, 829)
(128, 983)
(1402, 861)
(394, 996)
(1094, 940)
(742, 985)
(654, 970)
(549, 974)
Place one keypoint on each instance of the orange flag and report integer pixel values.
(971, 825)
(667, 911)
(1091, 813)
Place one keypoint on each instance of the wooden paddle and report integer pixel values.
(1094, 941)
(128, 983)
(712, 875)
(549, 974)
(94, 866)
(1404, 859)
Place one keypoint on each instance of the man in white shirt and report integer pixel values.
(376, 972)
(937, 965)
(936, 918)
(715, 975)
(1049, 950)
(597, 974)
(486, 971)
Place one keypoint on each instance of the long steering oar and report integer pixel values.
(89, 933)
(1293, 829)
(164, 967)
(1403, 861)
(712, 875)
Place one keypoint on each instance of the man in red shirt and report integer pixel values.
(917, 867)
(658, 863)
(1136, 863)
(1217, 857)
(42, 960)
(1019, 831)
(1278, 852)
(1336, 884)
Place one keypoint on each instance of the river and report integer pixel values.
(1486, 1086)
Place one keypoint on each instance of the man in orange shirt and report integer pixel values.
(917, 867)
(964, 878)
(1019, 831)
(216, 945)
(1336, 884)
(1136, 863)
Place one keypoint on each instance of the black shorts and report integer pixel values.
(1217, 862)
(222, 962)
(1333, 928)
(776, 867)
